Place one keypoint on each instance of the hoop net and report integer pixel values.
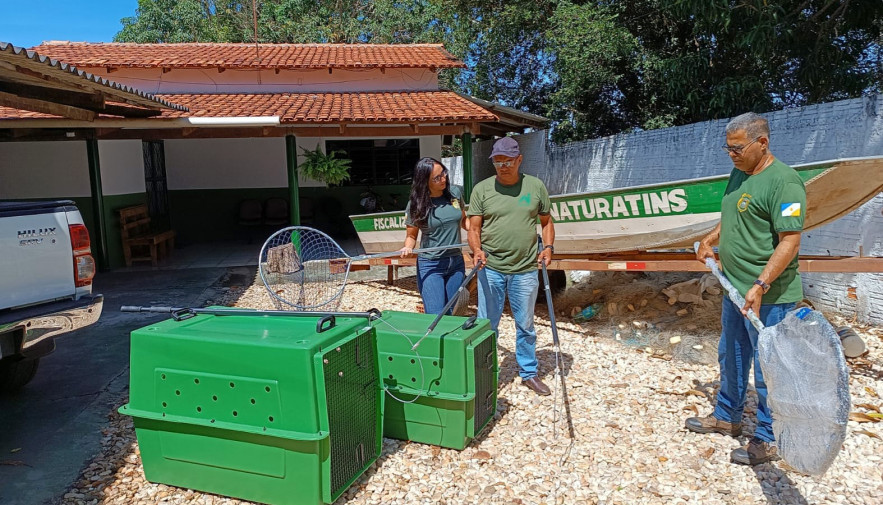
(304, 268)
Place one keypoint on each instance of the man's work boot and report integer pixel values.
(756, 452)
(711, 424)
(537, 386)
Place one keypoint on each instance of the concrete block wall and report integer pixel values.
(843, 129)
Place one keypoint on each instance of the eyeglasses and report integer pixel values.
(503, 164)
(440, 177)
(737, 150)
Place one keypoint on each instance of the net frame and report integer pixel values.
(304, 268)
(310, 268)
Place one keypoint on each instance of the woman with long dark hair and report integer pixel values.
(436, 210)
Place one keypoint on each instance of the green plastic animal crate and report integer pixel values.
(456, 387)
(280, 410)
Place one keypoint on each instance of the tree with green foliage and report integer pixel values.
(655, 63)
(594, 67)
(762, 55)
(284, 21)
(169, 21)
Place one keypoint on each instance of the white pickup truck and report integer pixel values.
(46, 279)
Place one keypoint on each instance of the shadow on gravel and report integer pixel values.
(777, 486)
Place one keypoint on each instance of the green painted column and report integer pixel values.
(99, 235)
(293, 185)
(467, 166)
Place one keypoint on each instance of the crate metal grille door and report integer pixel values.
(485, 385)
(351, 389)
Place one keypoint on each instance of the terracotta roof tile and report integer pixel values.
(321, 108)
(281, 56)
(31, 61)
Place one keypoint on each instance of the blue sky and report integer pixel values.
(26, 23)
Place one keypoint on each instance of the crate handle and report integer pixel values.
(182, 314)
(320, 325)
(469, 323)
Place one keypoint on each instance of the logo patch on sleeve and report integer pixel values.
(791, 209)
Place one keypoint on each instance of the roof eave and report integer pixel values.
(114, 90)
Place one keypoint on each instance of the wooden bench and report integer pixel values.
(141, 241)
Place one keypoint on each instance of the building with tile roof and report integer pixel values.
(251, 112)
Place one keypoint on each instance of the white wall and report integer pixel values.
(60, 169)
(226, 163)
(153, 80)
(431, 147)
(122, 166)
(44, 170)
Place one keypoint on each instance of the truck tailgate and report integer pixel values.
(36, 251)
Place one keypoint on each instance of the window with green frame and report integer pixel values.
(378, 161)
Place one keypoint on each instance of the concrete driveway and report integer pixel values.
(53, 426)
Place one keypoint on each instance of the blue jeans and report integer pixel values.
(736, 351)
(493, 287)
(438, 281)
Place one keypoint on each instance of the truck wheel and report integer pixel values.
(15, 372)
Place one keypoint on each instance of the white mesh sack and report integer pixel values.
(807, 389)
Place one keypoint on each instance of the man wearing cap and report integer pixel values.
(762, 216)
(503, 214)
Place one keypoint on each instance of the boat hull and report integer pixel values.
(662, 216)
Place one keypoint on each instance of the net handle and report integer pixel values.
(391, 254)
(181, 313)
(731, 290)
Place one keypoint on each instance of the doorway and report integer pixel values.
(155, 182)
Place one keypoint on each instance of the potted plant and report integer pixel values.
(327, 168)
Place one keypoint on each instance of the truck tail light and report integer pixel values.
(84, 263)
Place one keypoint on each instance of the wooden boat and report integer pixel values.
(670, 215)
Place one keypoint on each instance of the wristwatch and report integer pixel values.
(550, 247)
(763, 285)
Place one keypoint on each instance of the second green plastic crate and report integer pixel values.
(448, 393)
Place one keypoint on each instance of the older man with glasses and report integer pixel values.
(762, 216)
(503, 213)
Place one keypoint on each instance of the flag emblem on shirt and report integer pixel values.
(791, 209)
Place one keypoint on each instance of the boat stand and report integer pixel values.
(657, 262)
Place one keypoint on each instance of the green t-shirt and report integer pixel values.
(442, 226)
(755, 208)
(509, 221)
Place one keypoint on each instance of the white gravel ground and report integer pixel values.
(628, 409)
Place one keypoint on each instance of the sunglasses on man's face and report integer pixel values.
(503, 164)
(737, 150)
(440, 177)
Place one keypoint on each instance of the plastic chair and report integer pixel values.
(251, 215)
(306, 210)
(276, 212)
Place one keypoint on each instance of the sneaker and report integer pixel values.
(756, 452)
(711, 424)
